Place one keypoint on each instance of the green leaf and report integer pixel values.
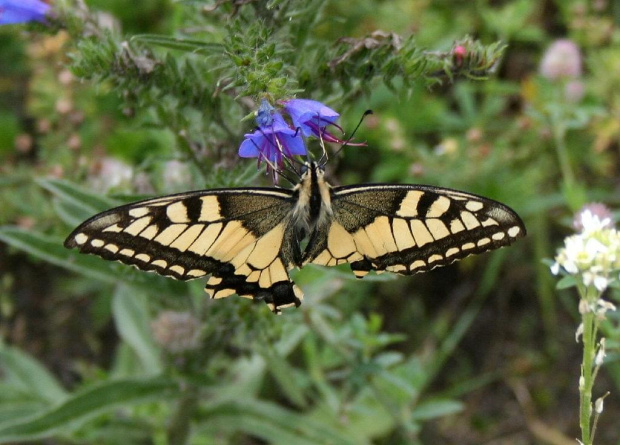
(84, 199)
(132, 322)
(177, 43)
(29, 375)
(284, 374)
(70, 213)
(436, 408)
(70, 414)
(566, 281)
(272, 423)
(51, 250)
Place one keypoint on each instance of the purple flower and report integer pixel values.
(22, 11)
(312, 118)
(273, 140)
(277, 139)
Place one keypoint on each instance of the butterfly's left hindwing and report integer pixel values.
(409, 228)
(241, 237)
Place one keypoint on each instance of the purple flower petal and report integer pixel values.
(22, 11)
(249, 148)
(294, 145)
(274, 141)
(279, 125)
(310, 116)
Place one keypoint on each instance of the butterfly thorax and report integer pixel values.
(313, 207)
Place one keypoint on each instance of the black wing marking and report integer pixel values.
(241, 237)
(409, 228)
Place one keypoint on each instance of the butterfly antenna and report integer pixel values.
(278, 172)
(350, 138)
(324, 155)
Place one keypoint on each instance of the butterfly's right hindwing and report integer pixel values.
(408, 229)
(235, 235)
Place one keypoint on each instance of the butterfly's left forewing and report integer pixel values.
(409, 228)
(241, 237)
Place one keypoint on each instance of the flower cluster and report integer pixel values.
(277, 138)
(22, 11)
(176, 332)
(562, 62)
(592, 259)
(592, 255)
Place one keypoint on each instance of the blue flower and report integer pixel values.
(273, 140)
(22, 11)
(277, 139)
(312, 118)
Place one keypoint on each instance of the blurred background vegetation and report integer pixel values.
(121, 102)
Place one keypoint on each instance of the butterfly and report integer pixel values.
(247, 239)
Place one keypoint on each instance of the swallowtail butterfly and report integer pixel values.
(247, 239)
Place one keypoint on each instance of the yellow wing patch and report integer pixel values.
(405, 230)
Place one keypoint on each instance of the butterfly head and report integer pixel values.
(311, 169)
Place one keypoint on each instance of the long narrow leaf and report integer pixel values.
(89, 201)
(132, 323)
(273, 423)
(70, 414)
(29, 375)
(177, 43)
(284, 374)
(51, 250)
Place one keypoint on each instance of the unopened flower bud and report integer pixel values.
(605, 305)
(600, 355)
(584, 306)
(579, 332)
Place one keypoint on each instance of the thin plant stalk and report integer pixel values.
(586, 380)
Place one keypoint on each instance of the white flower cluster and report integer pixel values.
(593, 255)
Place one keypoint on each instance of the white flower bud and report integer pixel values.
(579, 332)
(600, 355)
(582, 383)
(584, 307)
(598, 405)
(606, 305)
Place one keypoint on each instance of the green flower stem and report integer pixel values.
(590, 327)
(559, 137)
(178, 430)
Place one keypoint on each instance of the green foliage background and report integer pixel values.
(112, 103)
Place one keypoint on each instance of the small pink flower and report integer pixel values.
(561, 60)
(459, 52)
